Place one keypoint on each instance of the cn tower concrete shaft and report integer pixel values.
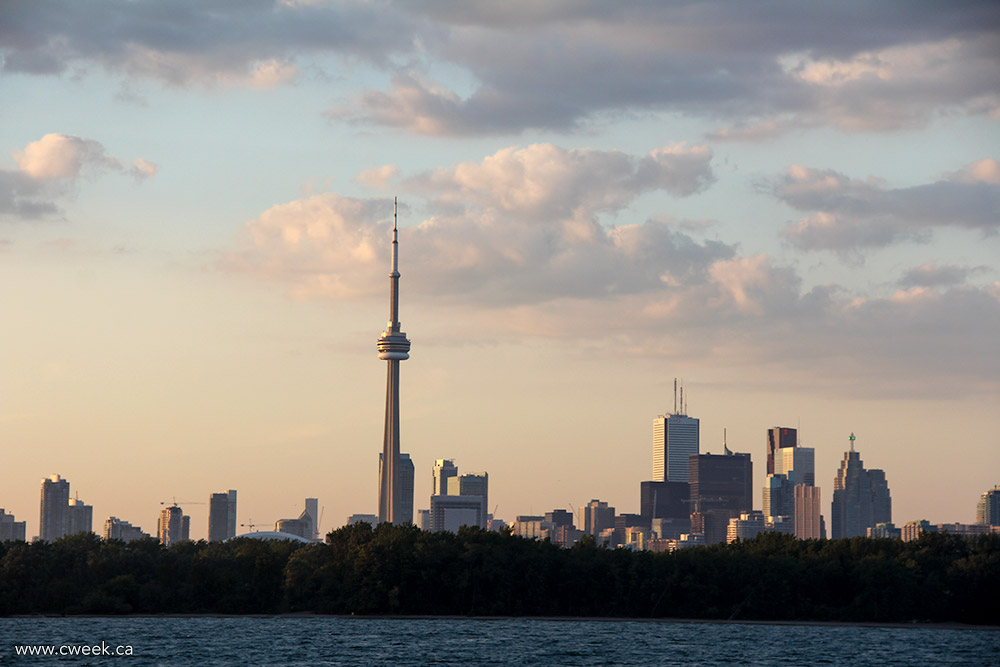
(393, 347)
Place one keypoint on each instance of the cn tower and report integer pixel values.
(394, 347)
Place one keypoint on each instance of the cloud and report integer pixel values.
(273, 73)
(981, 171)
(378, 177)
(143, 169)
(934, 275)
(757, 69)
(761, 70)
(190, 41)
(849, 215)
(644, 289)
(58, 156)
(546, 182)
(49, 168)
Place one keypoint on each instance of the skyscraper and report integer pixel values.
(405, 476)
(54, 519)
(475, 484)
(11, 529)
(778, 496)
(777, 438)
(222, 516)
(675, 439)
(117, 529)
(721, 489)
(664, 500)
(312, 509)
(807, 512)
(393, 347)
(860, 497)
(597, 516)
(173, 526)
(80, 517)
(444, 469)
(798, 464)
(988, 508)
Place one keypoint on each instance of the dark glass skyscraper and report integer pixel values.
(721, 489)
(664, 500)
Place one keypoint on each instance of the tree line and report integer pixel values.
(401, 570)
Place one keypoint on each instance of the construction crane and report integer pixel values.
(175, 502)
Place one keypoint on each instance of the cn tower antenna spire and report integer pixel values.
(393, 347)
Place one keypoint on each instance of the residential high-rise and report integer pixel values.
(914, 529)
(721, 489)
(988, 508)
(54, 519)
(393, 347)
(10, 529)
(778, 438)
(117, 529)
(675, 439)
(173, 526)
(861, 497)
(80, 517)
(222, 516)
(444, 469)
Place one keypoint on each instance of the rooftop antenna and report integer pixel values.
(852, 440)
(675, 396)
(683, 411)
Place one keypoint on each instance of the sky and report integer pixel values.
(793, 207)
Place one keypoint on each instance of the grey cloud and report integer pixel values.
(558, 66)
(934, 275)
(849, 214)
(24, 197)
(769, 66)
(191, 39)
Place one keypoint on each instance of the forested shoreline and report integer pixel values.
(400, 570)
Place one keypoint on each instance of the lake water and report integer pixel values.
(466, 642)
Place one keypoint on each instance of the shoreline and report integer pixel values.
(551, 619)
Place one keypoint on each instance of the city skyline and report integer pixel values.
(195, 211)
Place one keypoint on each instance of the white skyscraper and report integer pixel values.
(675, 439)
